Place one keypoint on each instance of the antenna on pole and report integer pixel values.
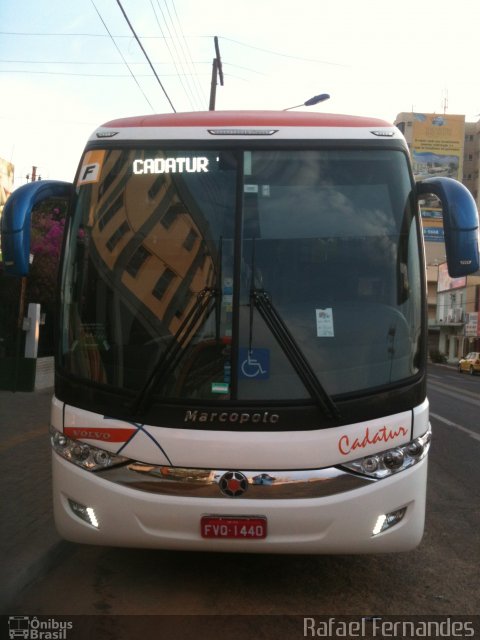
(217, 72)
(445, 101)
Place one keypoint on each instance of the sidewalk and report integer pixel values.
(28, 539)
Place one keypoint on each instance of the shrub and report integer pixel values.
(437, 356)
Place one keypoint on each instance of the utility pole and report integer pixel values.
(217, 72)
(33, 177)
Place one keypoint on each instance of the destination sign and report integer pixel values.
(197, 164)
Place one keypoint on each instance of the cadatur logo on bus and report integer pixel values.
(347, 444)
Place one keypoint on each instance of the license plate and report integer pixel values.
(244, 528)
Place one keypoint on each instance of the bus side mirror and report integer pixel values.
(460, 223)
(16, 217)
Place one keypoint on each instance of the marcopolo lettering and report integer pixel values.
(170, 165)
(233, 417)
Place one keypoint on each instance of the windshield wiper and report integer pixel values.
(205, 303)
(262, 302)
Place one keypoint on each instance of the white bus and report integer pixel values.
(241, 344)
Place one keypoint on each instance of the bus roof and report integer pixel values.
(247, 119)
(236, 125)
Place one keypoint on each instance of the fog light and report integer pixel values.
(87, 514)
(387, 520)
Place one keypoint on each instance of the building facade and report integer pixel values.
(446, 145)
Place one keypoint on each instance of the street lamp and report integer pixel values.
(309, 103)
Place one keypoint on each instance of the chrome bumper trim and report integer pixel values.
(261, 485)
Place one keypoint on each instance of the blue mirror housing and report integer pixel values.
(460, 223)
(16, 217)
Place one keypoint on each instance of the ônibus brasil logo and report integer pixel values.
(35, 629)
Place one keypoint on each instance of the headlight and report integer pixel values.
(386, 463)
(83, 455)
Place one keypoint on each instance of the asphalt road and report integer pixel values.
(44, 575)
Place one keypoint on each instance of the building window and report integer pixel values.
(156, 186)
(114, 173)
(171, 214)
(117, 236)
(163, 283)
(190, 240)
(137, 260)
(183, 304)
(110, 212)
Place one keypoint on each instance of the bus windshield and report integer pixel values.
(172, 256)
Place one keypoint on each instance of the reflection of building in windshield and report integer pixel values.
(143, 230)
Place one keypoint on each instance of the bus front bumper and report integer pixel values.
(345, 522)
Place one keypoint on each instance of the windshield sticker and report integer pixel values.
(91, 167)
(324, 323)
(254, 363)
(227, 372)
(220, 387)
(170, 165)
(228, 286)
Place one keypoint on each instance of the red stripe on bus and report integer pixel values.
(247, 119)
(104, 434)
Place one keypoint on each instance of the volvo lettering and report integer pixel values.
(241, 347)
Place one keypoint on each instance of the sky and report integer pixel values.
(67, 67)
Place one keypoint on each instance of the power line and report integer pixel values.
(192, 63)
(33, 33)
(85, 35)
(94, 62)
(91, 75)
(283, 55)
(189, 97)
(145, 37)
(121, 54)
(145, 54)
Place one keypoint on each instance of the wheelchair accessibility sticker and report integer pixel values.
(254, 363)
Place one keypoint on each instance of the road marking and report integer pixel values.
(467, 396)
(449, 423)
(22, 438)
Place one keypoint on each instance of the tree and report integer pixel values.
(47, 227)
